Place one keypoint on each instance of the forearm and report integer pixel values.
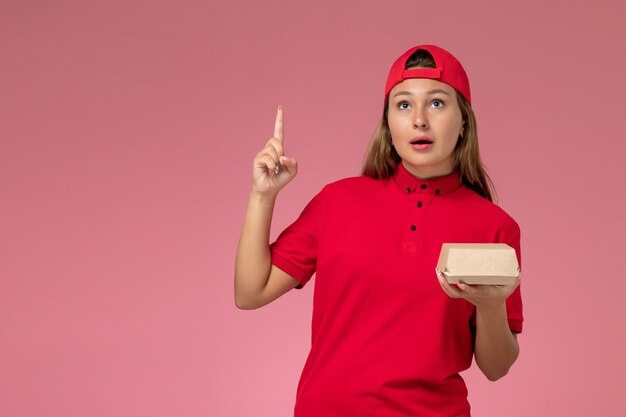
(496, 348)
(253, 261)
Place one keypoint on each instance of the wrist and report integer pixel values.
(491, 309)
(263, 198)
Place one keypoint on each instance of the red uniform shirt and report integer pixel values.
(386, 340)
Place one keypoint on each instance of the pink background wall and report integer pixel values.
(127, 133)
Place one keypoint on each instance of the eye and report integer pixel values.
(401, 104)
(440, 102)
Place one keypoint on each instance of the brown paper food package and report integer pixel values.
(478, 263)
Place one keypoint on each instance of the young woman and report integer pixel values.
(389, 337)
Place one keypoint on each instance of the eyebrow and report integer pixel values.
(431, 92)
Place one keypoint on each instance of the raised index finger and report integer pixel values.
(278, 127)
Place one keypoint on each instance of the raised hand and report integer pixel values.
(272, 170)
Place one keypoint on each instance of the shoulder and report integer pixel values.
(352, 186)
(354, 182)
(352, 193)
(343, 191)
(484, 208)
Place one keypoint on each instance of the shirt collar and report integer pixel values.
(440, 185)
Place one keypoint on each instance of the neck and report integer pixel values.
(428, 173)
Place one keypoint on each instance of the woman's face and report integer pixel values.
(425, 109)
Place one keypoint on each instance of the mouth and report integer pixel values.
(421, 143)
(422, 140)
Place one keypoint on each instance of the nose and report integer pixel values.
(420, 120)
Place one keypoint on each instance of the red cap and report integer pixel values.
(449, 70)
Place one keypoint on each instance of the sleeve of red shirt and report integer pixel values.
(295, 249)
(514, 302)
(511, 236)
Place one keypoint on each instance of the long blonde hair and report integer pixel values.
(381, 158)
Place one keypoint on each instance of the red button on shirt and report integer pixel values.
(386, 340)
